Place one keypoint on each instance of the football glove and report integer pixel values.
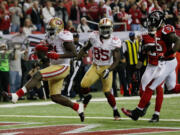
(53, 55)
(105, 73)
(41, 48)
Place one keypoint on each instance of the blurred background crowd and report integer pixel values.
(80, 16)
(33, 15)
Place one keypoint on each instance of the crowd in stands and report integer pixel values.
(33, 15)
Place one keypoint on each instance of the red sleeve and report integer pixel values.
(140, 14)
(29, 11)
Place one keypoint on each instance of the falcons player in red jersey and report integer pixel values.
(162, 60)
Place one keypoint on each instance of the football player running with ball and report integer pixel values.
(106, 57)
(63, 50)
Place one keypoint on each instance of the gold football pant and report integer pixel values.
(55, 75)
(94, 73)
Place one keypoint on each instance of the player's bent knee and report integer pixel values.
(84, 84)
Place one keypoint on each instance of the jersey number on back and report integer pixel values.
(101, 54)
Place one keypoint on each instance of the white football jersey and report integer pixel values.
(103, 50)
(57, 43)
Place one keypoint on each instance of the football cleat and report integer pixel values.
(14, 98)
(116, 115)
(11, 96)
(86, 100)
(133, 114)
(81, 112)
(145, 109)
(6, 95)
(155, 118)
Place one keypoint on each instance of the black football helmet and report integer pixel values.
(155, 19)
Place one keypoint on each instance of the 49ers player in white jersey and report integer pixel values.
(160, 66)
(106, 57)
(63, 50)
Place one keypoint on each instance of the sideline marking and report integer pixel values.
(93, 100)
(77, 117)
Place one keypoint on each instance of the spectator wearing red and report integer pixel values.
(33, 56)
(4, 18)
(136, 17)
(27, 5)
(83, 8)
(67, 5)
(93, 12)
(107, 10)
(123, 17)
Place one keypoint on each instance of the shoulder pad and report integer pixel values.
(168, 29)
(93, 34)
(116, 42)
(66, 36)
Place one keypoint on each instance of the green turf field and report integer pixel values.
(97, 113)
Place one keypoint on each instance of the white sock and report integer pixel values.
(140, 108)
(24, 89)
(157, 113)
(115, 108)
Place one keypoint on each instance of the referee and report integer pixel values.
(131, 53)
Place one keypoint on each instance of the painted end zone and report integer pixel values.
(8, 124)
(79, 130)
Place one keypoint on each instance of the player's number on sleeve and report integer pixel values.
(101, 54)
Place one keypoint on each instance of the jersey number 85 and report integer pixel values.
(101, 54)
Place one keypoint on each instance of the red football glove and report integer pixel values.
(41, 48)
(53, 55)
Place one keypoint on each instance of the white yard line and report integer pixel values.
(77, 117)
(93, 100)
(83, 129)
